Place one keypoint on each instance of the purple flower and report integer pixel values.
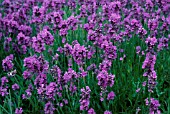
(85, 98)
(26, 30)
(121, 58)
(7, 43)
(91, 52)
(65, 101)
(15, 86)
(149, 62)
(64, 40)
(7, 63)
(31, 63)
(3, 91)
(72, 22)
(121, 50)
(46, 36)
(67, 49)
(148, 65)
(3, 87)
(72, 4)
(28, 92)
(72, 88)
(51, 90)
(38, 14)
(114, 18)
(57, 18)
(91, 67)
(153, 24)
(135, 24)
(111, 96)
(18, 111)
(4, 80)
(115, 6)
(151, 41)
(137, 90)
(163, 43)
(70, 75)
(56, 56)
(153, 106)
(104, 79)
(26, 74)
(24, 49)
(138, 49)
(82, 72)
(110, 51)
(22, 39)
(83, 12)
(92, 35)
(38, 44)
(142, 32)
(79, 53)
(144, 84)
(107, 112)
(49, 108)
(105, 65)
(36, 64)
(63, 26)
(40, 80)
(91, 111)
(12, 26)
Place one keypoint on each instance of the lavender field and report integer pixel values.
(84, 57)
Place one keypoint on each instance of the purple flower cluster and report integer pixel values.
(163, 43)
(7, 44)
(149, 62)
(38, 44)
(111, 96)
(138, 49)
(24, 41)
(107, 112)
(28, 92)
(105, 65)
(73, 22)
(7, 63)
(150, 72)
(151, 42)
(89, 36)
(4, 87)
(44, 37)
(91, 111)
(51, 90)
(104, 79)
(110, 51)
(85, 98)
(154, 104)
(15, 86)
(49, 108)
(63, 28)
(38, 14)
(18, 111)
(35, 64)
(70, 75)
(79, 53)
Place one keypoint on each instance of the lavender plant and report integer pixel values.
(84, 56)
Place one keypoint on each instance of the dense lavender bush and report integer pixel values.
(84, 56)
